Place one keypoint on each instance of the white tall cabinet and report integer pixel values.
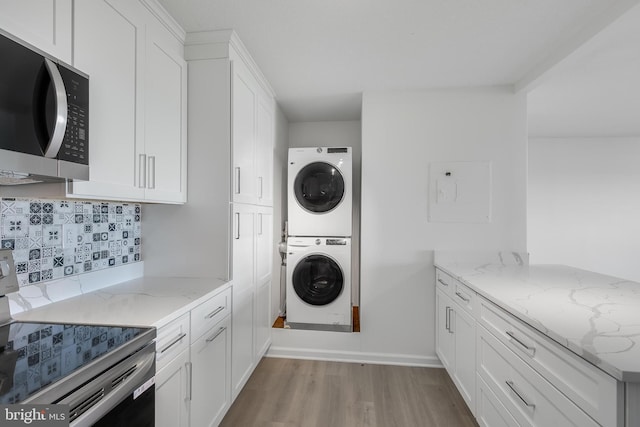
(232, 112)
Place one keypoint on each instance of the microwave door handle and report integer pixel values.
(53, 147)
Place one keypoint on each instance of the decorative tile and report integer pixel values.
(51, 239)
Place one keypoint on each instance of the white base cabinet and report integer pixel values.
(211, 369)
(510, 374)
(172, 393)
(193, 365)
(455, 338)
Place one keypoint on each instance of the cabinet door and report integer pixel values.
(210, 358)
(464, 332)
(242, 347)
(263, 320)
(243, 254)
(165, 88)
(243, 100)
(108, 34)
(445, 345)
(172, 400)
(264, 245)
(264, 150)
(45, 24)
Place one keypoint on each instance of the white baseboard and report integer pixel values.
(355, 357)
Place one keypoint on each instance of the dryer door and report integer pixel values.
(317, 279)
(319, 187)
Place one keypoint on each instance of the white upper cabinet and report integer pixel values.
(244, 100)
(115, 29)
(45, 24)
(252, 135)
(137, 111)
(165, 148)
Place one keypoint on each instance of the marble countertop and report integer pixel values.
(593, 315)
(145, 301)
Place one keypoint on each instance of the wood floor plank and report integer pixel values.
(310, 393)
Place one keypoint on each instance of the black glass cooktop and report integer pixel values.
(35, 355)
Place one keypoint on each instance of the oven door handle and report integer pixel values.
(129, 386)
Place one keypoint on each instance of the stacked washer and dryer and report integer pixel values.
(318, 288)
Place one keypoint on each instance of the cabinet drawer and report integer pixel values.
(444, 282)
(464, 296)
(591, 389)
(171, 340)
(530, 399)
(210, 312)
(490, 412)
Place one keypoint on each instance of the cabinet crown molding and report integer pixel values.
(165, 18)
(218, 44)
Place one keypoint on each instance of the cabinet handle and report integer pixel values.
(142, 170)
(236, 232)
(214, 312)
(237, 180)
(446, 318)
(462, 297)
(218, 332)
(514, 339)
(189, 368)
(260, 187)
(443, 282)
(515, 391)
(152, 173)
(172, 343)
(54, 144)
(259, 224)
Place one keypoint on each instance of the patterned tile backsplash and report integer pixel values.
(51, 239)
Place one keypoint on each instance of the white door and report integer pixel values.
(165, 113)
(108, 35)
(45, 24)
(464, 331)
(242, 342)
(445, 344)
(210, 360)
(243, 99)
(264, 151)
(172, 401)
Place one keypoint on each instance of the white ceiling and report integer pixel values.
(596, 91)
(319, 56)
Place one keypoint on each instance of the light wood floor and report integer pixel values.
(308, 393)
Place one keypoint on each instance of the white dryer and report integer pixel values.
(319, 283)
(320, 191)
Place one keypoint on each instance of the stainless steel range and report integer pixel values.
(104, 373)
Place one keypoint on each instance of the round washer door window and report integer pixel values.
(318, 280)
(319, 187)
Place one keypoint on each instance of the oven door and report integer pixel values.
(124, 395)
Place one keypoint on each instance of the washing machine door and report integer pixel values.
(319, 187)
(317, 279)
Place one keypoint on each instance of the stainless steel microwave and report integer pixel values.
(44, 116)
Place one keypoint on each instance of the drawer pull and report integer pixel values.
(462, 297)
(446, 318)
(172, 343)
(512, 338)
(449, 310)
(214, 312)
(214, 336)
(513, 389)
(443, 282)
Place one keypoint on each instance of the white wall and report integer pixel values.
(337, 134)
(584, 204)
(280, 151)
(401, 133)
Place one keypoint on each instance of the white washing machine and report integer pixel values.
(320, 191)
(319, 283)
